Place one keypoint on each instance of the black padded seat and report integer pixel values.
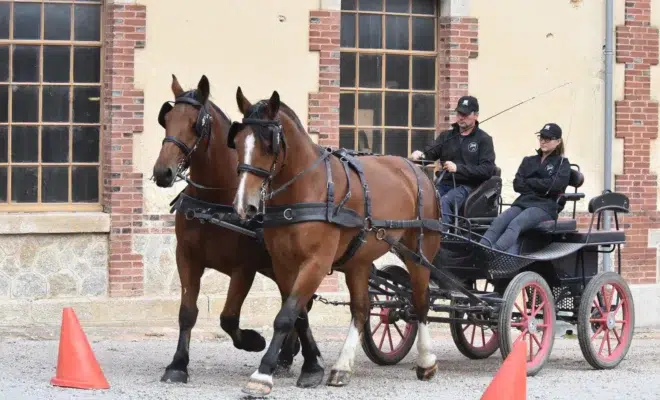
(563, 226)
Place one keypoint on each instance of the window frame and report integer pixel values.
(40, 205)
(356, 90)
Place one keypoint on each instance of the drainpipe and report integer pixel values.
(609, 104)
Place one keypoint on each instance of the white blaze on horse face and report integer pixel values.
(346, 359)
(426, 359)
(247, 159)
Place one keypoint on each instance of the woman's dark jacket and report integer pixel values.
(541, 183)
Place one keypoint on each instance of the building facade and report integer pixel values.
(81, 83)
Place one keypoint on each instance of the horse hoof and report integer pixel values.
(282, 369)
(310, 379)
(425, 374)
(257, 388)
(174, 376)
(339, 378)
(251, 341)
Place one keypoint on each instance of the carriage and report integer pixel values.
(556, 267)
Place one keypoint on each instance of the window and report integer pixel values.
(388, 92)
(50, 105)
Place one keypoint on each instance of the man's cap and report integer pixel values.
(550, 130)
(467, 104)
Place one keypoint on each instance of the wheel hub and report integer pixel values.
(531, 325)
(611, 321)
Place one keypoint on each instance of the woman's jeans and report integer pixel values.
(505, 229)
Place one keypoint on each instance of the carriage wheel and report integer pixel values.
(473, 341)
(606, 320)
(529, 308)
(388, 339)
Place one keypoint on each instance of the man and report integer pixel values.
(466, 152)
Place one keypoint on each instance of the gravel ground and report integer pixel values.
(133, 366)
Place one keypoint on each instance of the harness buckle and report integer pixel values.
(290, 212)
(380, 234)
(368, 224)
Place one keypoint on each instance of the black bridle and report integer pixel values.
(202, 129)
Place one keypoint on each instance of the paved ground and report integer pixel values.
(134, 361)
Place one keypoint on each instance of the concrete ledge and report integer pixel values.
(54, 222)
(647, 305)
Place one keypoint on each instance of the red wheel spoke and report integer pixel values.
(616, 335)
(467, 326)
(518, 324)
(609, 345)
(522, 335)
(602, 344)
(538, 309)
(520, 310)
(618, 306)
(601, 320)
(534, 302)
(376, 328)
(474, 330)
(382, 339)
(531, 347)
(600, 329)
(542, 326)
(483, 336)
(598, 307)
(536, 339)
(389, 334)
(399, 330)
(524, 301)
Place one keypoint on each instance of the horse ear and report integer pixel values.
(243, 103)
(176, 87)
(203, 89)
(273, 105)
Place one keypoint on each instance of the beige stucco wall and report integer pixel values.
(551, 43)
(261, 51)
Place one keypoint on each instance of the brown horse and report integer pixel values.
(284, 185)
(195, 137)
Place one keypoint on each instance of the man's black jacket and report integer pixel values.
(541, 183)
(473, 154)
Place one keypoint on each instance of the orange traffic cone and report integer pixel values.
(76, 365)
(510, 382)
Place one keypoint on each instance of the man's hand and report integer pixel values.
(449, 166)
(416, 155)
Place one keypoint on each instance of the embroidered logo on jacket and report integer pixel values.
(550, 169)
(472, 147)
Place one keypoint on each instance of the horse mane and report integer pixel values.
(195, 95)
(292, 114)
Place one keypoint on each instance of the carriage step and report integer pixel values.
(491, 297)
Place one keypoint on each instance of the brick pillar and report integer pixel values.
(324, 36)
(636, 122)
(122, 118)
(457, 44)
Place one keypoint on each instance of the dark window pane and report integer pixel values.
(55, 184)
(24, 184)
(85, 184)
(396, 109)
(396, 32)
(347, 138)
(423, 7)
(87, 21)
(4, 22)
(371, 70)
(423, 31)
(27, 21)
(86, 144)
(87, 64)
(371, 35)
(347, 109)
(57, 22)
(57, 60)
(396, 142)
(26, 64)
(55, 144)
(347, 70)
(347, 30)
(348, 4)
(86, 104)
(55, 104)
(24, 143)
(423, 110)
(398, 6)
(419, 139)
(370, 5)
(423, 73)
(4, 63)
(370, 140)
(397, 71)
(25, 103)
(4, 147)
(369, 109)
(3, 184)
(4, 103)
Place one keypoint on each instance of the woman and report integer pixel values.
(539, 180)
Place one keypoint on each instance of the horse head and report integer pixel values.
(188, 121)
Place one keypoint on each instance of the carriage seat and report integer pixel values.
(565, 225)
(483, 202)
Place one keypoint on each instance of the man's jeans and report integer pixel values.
(447, 196)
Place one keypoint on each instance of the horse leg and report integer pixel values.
(357, 280)
(426, 361)
(291, 345)
(307, 281)
(311, 374)
(190, 275)
(244, 339)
